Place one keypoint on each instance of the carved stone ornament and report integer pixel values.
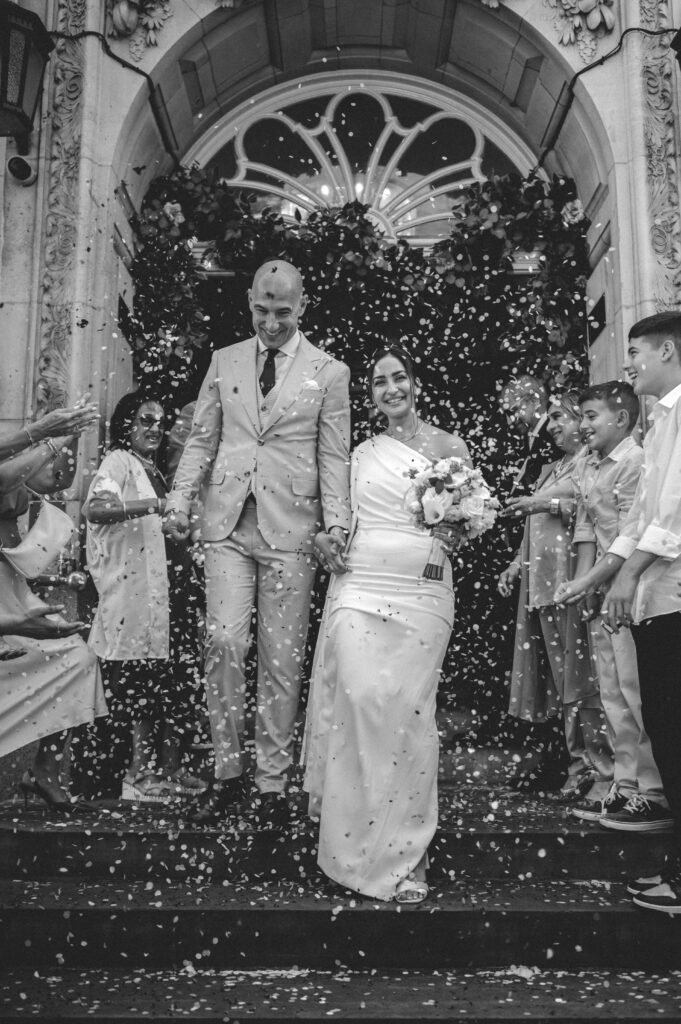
(139, 20)
(59, 240)
(582, 22)
(661, 143)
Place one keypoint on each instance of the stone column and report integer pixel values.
(76, 314)
(661, 137)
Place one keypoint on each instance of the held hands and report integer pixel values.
(507, 579)
(176, 526)
(330, 551)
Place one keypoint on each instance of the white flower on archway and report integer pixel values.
(401, 146)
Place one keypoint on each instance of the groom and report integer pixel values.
(268, 453)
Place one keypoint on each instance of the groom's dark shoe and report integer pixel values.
(272, 811)
(219, 800)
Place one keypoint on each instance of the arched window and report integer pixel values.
(403, 146)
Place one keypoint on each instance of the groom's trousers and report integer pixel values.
(242, 572)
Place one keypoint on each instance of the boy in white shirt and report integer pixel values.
(646, 591)
(605, 484)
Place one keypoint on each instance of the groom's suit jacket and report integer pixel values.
(295, 459)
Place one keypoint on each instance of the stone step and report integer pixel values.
(561, 925)
(480, 836)
(511, 994)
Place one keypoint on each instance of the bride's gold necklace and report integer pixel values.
(398, 436)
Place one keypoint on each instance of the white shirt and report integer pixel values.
(654, 522)
(534, 433)
(283, 361)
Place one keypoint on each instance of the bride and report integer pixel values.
(371, 744)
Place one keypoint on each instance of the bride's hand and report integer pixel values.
(508, 578)
(329, 550)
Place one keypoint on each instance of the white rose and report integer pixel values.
(572, 212)
(173, 212)
(472, 506)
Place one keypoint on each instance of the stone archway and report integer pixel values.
(493, 64)
(209, 61)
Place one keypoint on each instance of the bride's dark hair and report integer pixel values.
(398, 353)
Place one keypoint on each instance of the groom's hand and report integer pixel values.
(330, 550)
(176, 526)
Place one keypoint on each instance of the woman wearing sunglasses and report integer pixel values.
(144, 631)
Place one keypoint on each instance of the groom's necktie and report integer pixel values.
(267, 377)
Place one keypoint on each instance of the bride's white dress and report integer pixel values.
(371, 743)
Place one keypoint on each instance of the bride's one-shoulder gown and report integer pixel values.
(371, 743)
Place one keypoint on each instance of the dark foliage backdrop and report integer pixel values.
(468, 317)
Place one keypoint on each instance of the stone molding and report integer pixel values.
(60, 236)
(661, 149)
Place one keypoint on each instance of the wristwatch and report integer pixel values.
(554, 506)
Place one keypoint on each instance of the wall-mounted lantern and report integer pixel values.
(25, 45)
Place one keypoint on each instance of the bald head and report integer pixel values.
(523, 400)
(277, 302)
(272, 274)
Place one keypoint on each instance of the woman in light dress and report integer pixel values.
(553, 672)
(48, 684)
(145, 629)
(371, 744)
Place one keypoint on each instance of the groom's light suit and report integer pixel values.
(271, 472)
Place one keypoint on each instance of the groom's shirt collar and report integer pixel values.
(289, 348)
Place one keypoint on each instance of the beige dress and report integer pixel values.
(55, 684)
(541, 684)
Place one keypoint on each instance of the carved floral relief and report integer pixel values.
(59, 242)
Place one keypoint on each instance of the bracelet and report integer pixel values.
(554, 506)
(31, 440)
(125, 511)
(52, 447)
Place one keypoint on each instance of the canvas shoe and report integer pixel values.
(665, 897)
(587, 810)
(640, 885)
(593, 810)
(639, 815)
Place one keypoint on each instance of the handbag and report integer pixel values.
(48, 536)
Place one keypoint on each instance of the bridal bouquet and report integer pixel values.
(455, 503)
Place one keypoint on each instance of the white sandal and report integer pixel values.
(411, 890)
(182, 783)
(145, 788)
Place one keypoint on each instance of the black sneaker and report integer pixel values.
(593, 810)
(587, 810)
(639, 815)
(641, 885)
(665, 897)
